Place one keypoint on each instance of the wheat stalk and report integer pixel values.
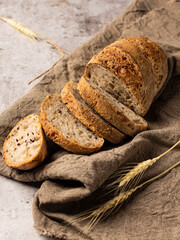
(22, 29)
(28, 32)
(102, 211)
(108, 207)
(105, 209)
(61, 52)
(46, 71)
(138, 170)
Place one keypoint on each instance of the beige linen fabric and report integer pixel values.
(71, 182)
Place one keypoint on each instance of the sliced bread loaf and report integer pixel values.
(110, 109)
(127, 72)
(62, 127)
(88, 116)
(25, 146)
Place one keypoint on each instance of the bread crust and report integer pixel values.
(121, 64)
(36, 160)
(144, 68)
(107, 110)
(158, 59)
(155, 56)
(88, 117)
(60, 139)
(138, 63)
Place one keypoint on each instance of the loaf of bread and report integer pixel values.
(88, 116)
(118, 87)
(132, 70)
(25, 146)
(63, 128)
(110, 109)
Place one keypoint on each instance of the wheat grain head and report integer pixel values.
(31, 34)
(22, 29)
(104, 210)
(95, 215)
(138, 170)
(107, 208)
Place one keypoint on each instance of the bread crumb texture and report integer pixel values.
(110, 109)
(25, 146)
(133, 70)
(88, 116)
(62, 127)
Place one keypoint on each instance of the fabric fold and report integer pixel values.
(71, 182)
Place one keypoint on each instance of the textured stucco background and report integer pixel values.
(68, 23)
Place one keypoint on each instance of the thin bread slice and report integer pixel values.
(25, 146)
(88, 116)
(110, 109)
(63, 128)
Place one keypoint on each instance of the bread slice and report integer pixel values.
(88, 116)
(127, 72)
(25, 146)
(63, 128)
(113, 71)
(110, 109)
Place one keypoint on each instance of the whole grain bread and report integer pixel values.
(110, 109)
(113, 72)
(88, 116)
(126, 75)
(132, 70)
(150, 58)
(25, 146)
(63, 128)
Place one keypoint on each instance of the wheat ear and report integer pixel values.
(105, 209)
(139, 169)
(18, 26)
(102, 211)
(28, 32)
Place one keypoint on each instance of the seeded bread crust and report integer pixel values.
(154, 54)
(117, 116)
(144, 67)
(122, 65)
(87, 116)
(36, 160)
(139, 64)
(57, 137)
(158, 59)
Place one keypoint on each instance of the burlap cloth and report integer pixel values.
(70, 182)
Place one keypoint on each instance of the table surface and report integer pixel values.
(68, 23)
